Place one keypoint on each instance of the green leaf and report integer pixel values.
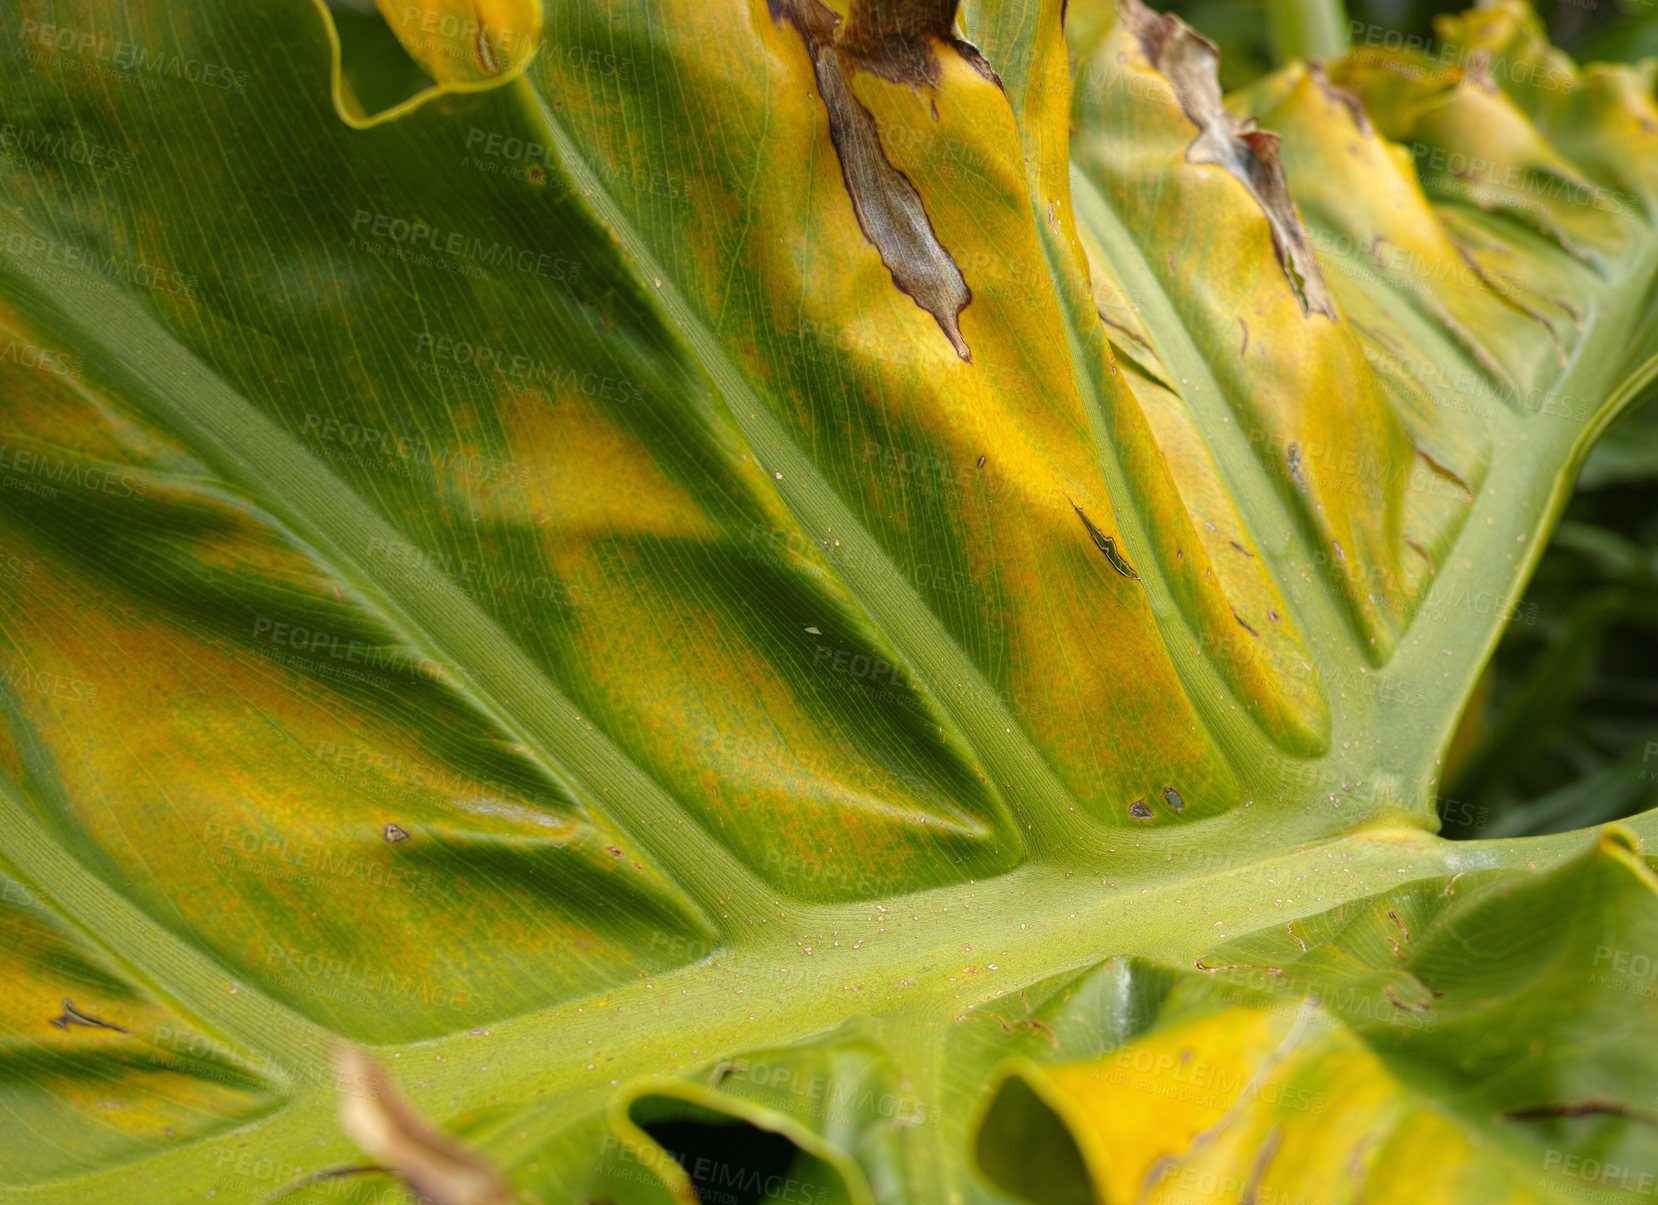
(751, 597)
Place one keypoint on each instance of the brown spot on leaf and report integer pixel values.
(1449, 475)
(1106, 545)
(1173, 799)
(1420, 1006)
(396, 832)
(1048, 1033)
(1404, 933)
(1292, 461)
(1585, 1108)
(1139, 810)
(74, 1016)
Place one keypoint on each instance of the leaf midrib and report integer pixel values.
(541, 1057)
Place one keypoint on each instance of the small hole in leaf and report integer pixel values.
(730, 1161)
(730, 1164)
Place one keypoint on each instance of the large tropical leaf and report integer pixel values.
(778, 602)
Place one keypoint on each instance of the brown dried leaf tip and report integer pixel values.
(434, 1166)
(1188, 60)
(894, 41)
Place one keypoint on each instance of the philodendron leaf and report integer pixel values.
(796, 602)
